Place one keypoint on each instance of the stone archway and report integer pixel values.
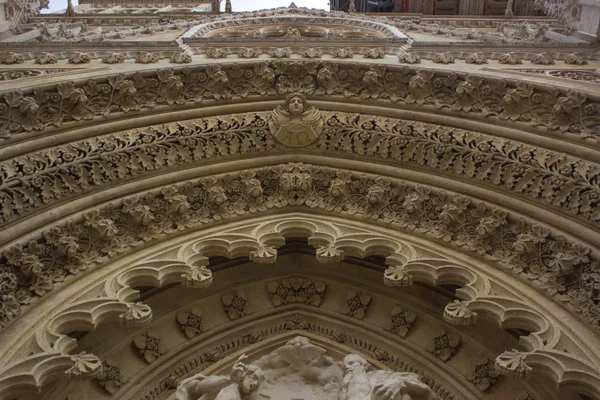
(504, 216)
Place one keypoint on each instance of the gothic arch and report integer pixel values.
(465, 202)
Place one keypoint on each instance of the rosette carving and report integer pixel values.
(356, 304)
(296, 290)
(445, 345)
(401, 321)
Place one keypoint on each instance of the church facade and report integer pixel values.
(299, 204)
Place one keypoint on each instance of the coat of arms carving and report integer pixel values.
(294, 124)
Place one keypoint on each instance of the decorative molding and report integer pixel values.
(79, 58)
(161, 269)
(476, 58)
(510, 58)
(46, 58)
(342, 53)
(12, 58)
(296, 290)
(146, 58)
(113, 58)
(575, 59)
(216, 52)
(280, 52)
(408, 58)
(444, 58)
(542, 59)
(374, 53)
(249, 52)
(137, 314)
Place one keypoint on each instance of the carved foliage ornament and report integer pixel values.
(38, 179)
(356, 304)
(235, 304)
(445, 345)
(110, 377)
(484, 375)
(564, 269)
(296, 290)
(401, 321)
(568, 111)
(191, 322)
(149, 346)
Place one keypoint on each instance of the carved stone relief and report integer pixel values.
(295, 124)
(149, 346)
(445, 345)
(110, 378)
(401, 321)
(296, 290)
(485, 375)
(191, 322)
(356, 304)
(235, 304)
(277, 375)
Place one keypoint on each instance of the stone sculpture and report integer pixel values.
(293, 124)
(302, 370)
(243, 384)
(362, 383)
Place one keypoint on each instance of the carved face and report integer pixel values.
(354, 362)
(251, 382)
(296, 107)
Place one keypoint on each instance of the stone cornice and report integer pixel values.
(564, 269)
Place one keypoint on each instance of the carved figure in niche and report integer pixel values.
(293, 124)
(361, 383)
(292, 33)
(243, 384)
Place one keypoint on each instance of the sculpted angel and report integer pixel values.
(295, 125)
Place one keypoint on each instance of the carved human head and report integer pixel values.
(295, 104)
(253, 377)
(353, 362)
